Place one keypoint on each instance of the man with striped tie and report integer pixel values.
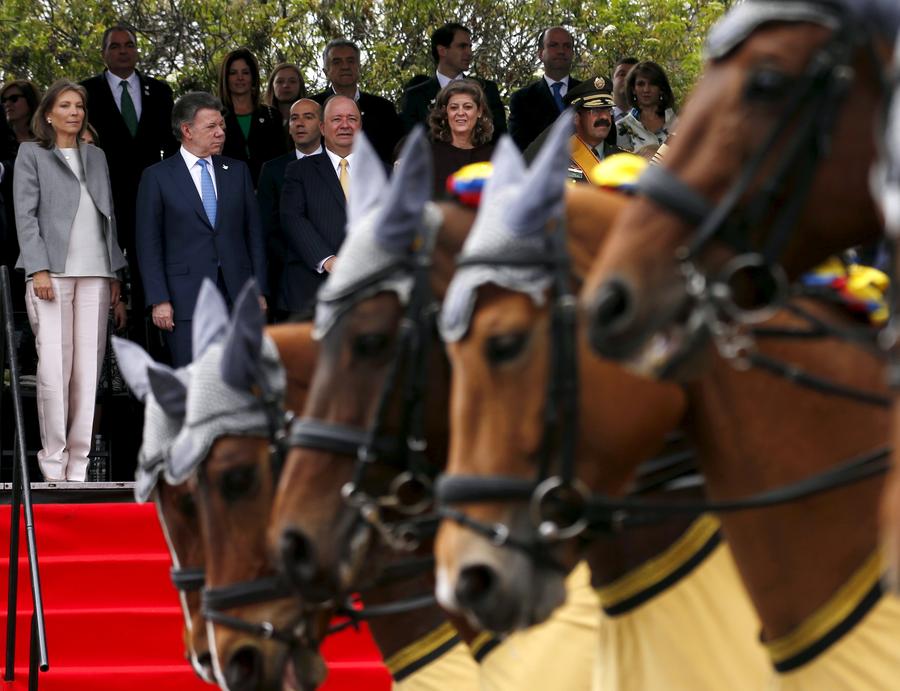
(197, 217)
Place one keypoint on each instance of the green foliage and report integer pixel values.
(183, 41)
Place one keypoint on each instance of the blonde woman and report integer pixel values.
(70, 255)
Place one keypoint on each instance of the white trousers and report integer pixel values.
(70, 338)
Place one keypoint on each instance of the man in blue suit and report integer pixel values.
(197, 217)
(313, 207)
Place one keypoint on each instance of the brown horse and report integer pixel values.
(810, 564)
(331, 546)
(887, 183)
(226, 454)
(175, 508)
(747, 175)
(501, 367)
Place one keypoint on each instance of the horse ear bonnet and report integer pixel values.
(162, 390)
(236, 384)
(876, 16)
(210, 318)
(381, 235)
(517, 209)
(133, 362)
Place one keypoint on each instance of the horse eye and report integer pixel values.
(370, 345)
(767, 84)
(186, 505)
(506, 347)
(238, 482)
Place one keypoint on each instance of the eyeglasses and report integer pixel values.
(12, 98)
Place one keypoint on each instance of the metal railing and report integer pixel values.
(21, 496)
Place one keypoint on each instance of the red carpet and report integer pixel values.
(113, 619)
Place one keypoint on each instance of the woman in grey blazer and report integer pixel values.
(70, 255)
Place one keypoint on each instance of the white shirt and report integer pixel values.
(355, 97)
(300, 154)
(134, 90)
(191, 162)
(336, 164)
(564, 81)
(443, 80)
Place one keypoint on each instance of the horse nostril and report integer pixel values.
(611, 312)
(476, 585)
(244, 669)
(204, 661)
(298, 556)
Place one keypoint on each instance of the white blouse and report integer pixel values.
(87, 254)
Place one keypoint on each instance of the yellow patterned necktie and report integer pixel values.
(345, 177)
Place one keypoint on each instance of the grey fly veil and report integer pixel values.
(384, 222)
(233, 381)
(879, 16)
(516, 206)
(164, 390)
(161, 424)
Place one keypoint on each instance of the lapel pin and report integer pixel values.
(262, 120)
(224, 167)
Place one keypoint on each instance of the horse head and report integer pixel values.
(331, 510)
(501, 320)
(163, 392)
(228, 455)
(766, 175)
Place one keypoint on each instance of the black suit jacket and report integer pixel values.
(531, 110)
(417, 101)
(380, 122)
(266, 140)
(128, 156)
(268, 193)
(313, 216)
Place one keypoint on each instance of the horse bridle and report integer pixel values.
(552, 496)
(812, 110)
(404, 449)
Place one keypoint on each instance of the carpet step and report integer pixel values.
(71, 529)
(100, 581)
(341, 677)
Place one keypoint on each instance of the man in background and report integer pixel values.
(314, 207)
(340, 61)
(620, 88)
(304, 126)
(131, 113)
(535, 107)
(451, 50)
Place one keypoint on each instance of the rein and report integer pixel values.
(560, 506)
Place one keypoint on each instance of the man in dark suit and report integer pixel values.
(451, 49)
(196, 217)
(313, 207)
(535, 107)
(135, 131)
(304, 126)
(380, 120)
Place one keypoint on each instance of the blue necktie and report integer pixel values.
(207, 192)
(556, 87)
